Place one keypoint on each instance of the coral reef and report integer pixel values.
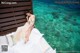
(61, 27)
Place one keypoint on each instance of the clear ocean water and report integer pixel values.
(60, 25)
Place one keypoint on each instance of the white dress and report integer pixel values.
(30, 47)
(36, 44)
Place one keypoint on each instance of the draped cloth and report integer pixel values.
(36, 44)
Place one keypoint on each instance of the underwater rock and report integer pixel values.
(55, 14)
(64, 22)
(70, 30)
(55, 24)
(66, 18)
(66, 36)
(72, 21)
(78, 32)
(77, 45)
(57, 33)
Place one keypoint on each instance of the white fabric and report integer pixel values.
(10, 39)
(33, 45)
(35, 35)
(6, 40)
(3, 40)
(25, 48)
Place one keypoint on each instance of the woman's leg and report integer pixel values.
(28, 32)
(17, 35)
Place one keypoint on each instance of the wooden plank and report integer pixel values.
(12, 18)
(15, 5)
(6, 10)
(11, 26)
(22, 8)
(12, 22)
(11, 14)
(8, 31)
(14, 9)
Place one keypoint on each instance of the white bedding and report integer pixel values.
(36, 44)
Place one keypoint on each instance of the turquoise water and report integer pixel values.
(60, 25)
